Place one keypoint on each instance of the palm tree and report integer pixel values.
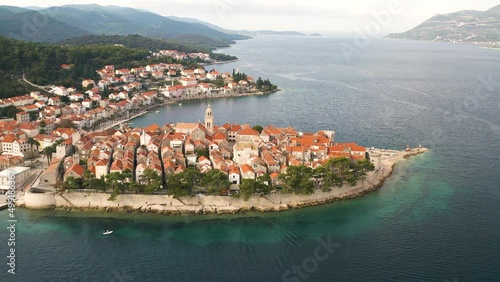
(37, 145)
(32, 142)
(48, 151)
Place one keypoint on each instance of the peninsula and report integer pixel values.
(205, 168)
(475, 27)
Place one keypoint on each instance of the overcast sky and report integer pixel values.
(326, 16)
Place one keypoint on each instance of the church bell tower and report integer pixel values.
(209, 120)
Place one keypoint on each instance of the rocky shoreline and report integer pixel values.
(164, 204)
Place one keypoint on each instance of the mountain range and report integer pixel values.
(464, 26)
(62, 22)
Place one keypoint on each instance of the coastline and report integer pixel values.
(124, 120)
(165, 204)
(220, 62)
(490, 48)
(171, 102)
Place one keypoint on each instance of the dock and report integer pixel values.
(410, 152)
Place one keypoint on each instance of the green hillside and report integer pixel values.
(33, 26)
(463, 26)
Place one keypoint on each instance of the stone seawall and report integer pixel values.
(39, 200)
(201, 204)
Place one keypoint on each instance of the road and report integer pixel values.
(32, 84)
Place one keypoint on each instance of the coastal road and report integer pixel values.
(34, 85)
(113, 124)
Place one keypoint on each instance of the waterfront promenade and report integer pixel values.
(201, 204)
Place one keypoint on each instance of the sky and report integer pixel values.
(324, 16)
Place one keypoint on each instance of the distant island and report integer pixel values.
(272, 32)
(315, 34)
(478, 27)
(250, 33)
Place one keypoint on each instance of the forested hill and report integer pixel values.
(18, 25)
(41, 63)
(137, 41)
(62, 22)
(131, 41)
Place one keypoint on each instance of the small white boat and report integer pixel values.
(107, 232)
(180, 104)
(157, 111)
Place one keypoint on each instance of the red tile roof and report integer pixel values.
(248, 132)
(76, 168)
(246, 168)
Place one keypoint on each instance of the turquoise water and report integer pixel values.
(437, 218)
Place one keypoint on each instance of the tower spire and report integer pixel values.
(209, 120)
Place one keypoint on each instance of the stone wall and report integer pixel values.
(39, 200)
(52, 174)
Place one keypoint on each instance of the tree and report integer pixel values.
(266, 178)
(48, 151)
(65, 99)
(177, 186)
(265, 85)
(249, 187)
(216, 182)
(203, 152)
(127, 175)
(116, 183)
(33, 143)
(105, 92)
(340, 170)
(152, 180)
(258, 128)
(9, 112)
(365, 165)
(71, 183)
(298, 180)
(33, 115)
(89, 181)
(136, 187)
(219, 83)
(259, 83)
(31, 155)
(88, 178)
(184, 183)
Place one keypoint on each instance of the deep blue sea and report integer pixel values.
(436, 219)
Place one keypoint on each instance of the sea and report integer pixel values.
(436, 219)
